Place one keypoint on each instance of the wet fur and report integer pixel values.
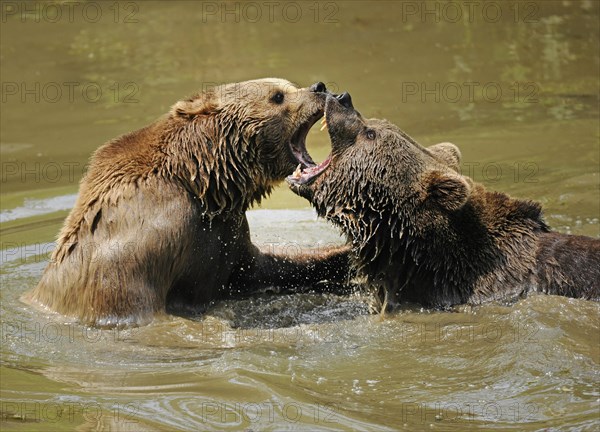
(429, 235)
(160, 217)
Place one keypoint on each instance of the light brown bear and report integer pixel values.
(160, 221)
(427, 234)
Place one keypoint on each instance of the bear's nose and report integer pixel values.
(345, 100)
(318, 87)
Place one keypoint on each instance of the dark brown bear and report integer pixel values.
(427, 234)
(160, 218)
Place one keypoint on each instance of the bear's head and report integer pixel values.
(379, 184)
(241, 139)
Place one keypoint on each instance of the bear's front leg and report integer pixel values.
(286, 272)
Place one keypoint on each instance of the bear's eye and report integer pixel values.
(277, 98)
(371, 135)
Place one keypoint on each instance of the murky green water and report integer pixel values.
(516, 90)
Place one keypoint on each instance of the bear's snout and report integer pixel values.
(318, 87)
(346, 100)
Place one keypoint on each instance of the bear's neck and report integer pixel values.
(218, 167)
(484, 250)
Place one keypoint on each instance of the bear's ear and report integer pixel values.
(448, 189)
(201, 105)
(448, 153)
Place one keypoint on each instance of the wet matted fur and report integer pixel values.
(426, 233)
(160, 217)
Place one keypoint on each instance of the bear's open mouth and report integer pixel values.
(298, 141)
(307, 172)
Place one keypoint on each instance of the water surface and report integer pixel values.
(518, 93)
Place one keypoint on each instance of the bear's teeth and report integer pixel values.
(324, 126)
(298, 173)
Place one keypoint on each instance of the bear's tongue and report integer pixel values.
(302, 176)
